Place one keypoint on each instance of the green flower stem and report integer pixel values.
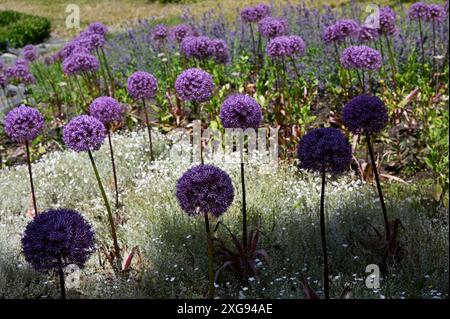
(108, 71)
(149, 130)
(113, 166)
(326, 282)
(244, 207)
(392, 62)
(210, 258)
(110, 216)
(421, 44)
(30, 173)
(62, 284)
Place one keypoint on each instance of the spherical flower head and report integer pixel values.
(270, 27)
(346, 28)
(205, 189)
(30, 53)
(142, 85)
(95, 40)
(255, 14)
(325, 150)
(240, 111)
(179, 32)
(368, 33)
(194, 85)
(80, 62)
(57, 238)
(97, 27)
(23, 124)
(365, 114)
(436, 13)
(106, 110)
(84, 133)
(262, 10)
(296, 45)
(388, 19)
(197, 47)
(278, 47)
(20, 72)
(361, 57)
(160, 32)
(418, 11)
(220, 51)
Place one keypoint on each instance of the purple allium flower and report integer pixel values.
(270, 27)
(296, 45)
(341, 30)
(325, 149)
(95, 40)
(388, 19)
(81, 62)
(197, 47)
(20, 72)
(49, 60)
(57, 238)
(219, 51)
(436, 13)
(255, 14)
(194, 85)
(263, 10)
(361, 57)
(205, 189)
(142, 85)
(368, 33)
(418, 11)
(67, 50)
(23, 124)
(179, 32)
(240, 111)
(160, 32)
(97, 27)
(84, 133)
(365, 114)
(278, 47)
(30, 52)
(106, 109)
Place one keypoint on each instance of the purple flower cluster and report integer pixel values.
(418, 11)
(160, 32)
(361, 57)
(240, 111)
(271, 27)
(84, 133)
(368, 33)
(203, 48)
(220, 52)
(325, 149)
(365, 114)
(179, 32)
(285, 46)
(436, 13)
(57, 238)
(255, 14)
(20, 72)
(81, 62)
(194, 85)
(106, 110)
(30, 53)
(23, 124)
(388, 19)
(342, 29)
(205, 189)
(142, 85)
(428, 12)
(97, 28)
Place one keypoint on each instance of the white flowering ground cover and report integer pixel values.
(282, 201)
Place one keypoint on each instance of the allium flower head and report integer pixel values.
(142, 85)
(179, 32)
(436, 13)
(106, 110)
(95, 40)
(205, 189)
(325, 149)
(49, 60)
(418, 11)
(57, 238)
(97, 27)
(361, 57)
(255, 14)
(240, 111)
(365, 114)
(84, 133)
(296, 45)
(341, 30)
(194, 85)
(160, 32)
(197, 47)
(388, 19)
(278, 47)
(270, 27)
(220, 51)
(23, 124)
(81, 62)
(368, 33)
(30, 53)
(20, 72)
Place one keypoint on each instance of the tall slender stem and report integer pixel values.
(244, 207)
(113, 167)
(380, 193)
(326, 283)
(108, 208)
(149, 130)
(392, 62)
(210, 258)
(421, 44)
(62, 284)
(33, 194)
(433, 58)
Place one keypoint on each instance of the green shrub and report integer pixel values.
(19, 29)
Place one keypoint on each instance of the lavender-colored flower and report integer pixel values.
(436, 13)
(106, 109)
(197, 47)
(84, 133)
(270, 27)
(67, 50)
(262, 10)
(240, 111)
(194, 85)
(20, 72)
(30, 52)
(341, 30)
(81, 62)
(49, 60)
(97, 27)
(278, 47)
(418, 11)
(95, 40)
(296, 45)
(325, 149)
(365, 114)
(220, 51)
(160, 32)
(361, 57)
(179, 32)
(205, 189)
(23, 124)
(388, 19)
(57, 238)
(142, 85)
(368, 33)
